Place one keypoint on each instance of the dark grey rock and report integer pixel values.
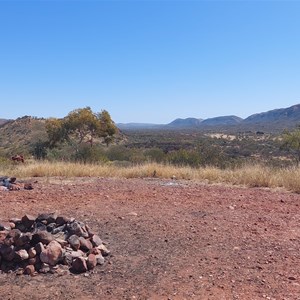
(28, 221)
(76, 228)
(79, 265)
(61, 220)
(58, 229)
(85, 244)
(38, 226)
(23, 240)
(7, 252)
(39, 247)
(96, 241)
(74, 242)
(42, 236)
(51, 227)
(48, 217)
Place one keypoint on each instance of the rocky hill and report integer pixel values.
(185, 123)
(290, 114)
(270, 121)
(225, 120)
(18, 136)
(3, 121)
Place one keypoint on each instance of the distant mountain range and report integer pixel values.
(270, 121)
(276, 119)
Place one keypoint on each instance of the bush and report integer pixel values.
(88, 154)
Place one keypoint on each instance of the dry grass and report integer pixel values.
(251, 176)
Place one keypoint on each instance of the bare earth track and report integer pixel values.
(169, 240)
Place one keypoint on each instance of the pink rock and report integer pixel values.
(52, 254)
(85, 244)
(32, 252)
(29, 270)
(91, 261)
(21, 254)
(96, 241)
(3, 235)
(104, 250)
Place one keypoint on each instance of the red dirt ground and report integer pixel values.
(169, 240)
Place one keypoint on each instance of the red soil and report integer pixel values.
(169, 240)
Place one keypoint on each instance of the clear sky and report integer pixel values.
(148, 61)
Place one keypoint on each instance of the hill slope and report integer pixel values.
(3, 121)
(271, 121)
(17, 136)
(224, 120)
(290, 114)
(185, 123)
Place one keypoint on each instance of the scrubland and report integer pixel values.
(255, 175)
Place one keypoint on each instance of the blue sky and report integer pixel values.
(148, 61)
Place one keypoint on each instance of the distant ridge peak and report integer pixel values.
(278, 119)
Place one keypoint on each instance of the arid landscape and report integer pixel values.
(149, 150)
(169, 239)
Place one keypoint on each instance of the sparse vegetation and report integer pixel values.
(248, 175)
(81, 145)
(291, 142)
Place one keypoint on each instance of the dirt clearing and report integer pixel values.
(168, 240)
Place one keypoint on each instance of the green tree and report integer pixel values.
(56, 130)
(106, 127)
(81, 125)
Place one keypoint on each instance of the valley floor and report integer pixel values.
(168, 240)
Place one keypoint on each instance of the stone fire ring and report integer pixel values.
(49, 243)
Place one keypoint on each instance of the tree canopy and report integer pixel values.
(81, 126)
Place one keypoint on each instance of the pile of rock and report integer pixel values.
(10, 184)
(43, 244)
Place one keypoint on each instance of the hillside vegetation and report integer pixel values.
(85, 143)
